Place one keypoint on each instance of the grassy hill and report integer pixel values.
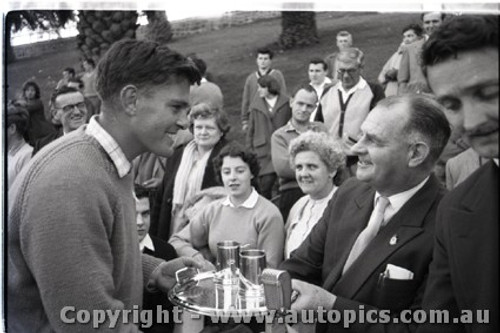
(230, 54)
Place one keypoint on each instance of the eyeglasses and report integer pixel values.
(349, 71)
(70, 107)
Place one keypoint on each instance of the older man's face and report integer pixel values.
(349, 73)
(470, 96)
(382, 149)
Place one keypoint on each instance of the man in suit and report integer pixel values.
(347, 262)
(157, 248)
(464, 272)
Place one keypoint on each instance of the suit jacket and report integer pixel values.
(464, 272)
(165, 251)
(161, 210)
(405, 241)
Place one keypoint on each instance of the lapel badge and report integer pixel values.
(394, 240)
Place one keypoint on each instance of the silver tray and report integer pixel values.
(200, 294)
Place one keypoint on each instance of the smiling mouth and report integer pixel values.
(364, 163)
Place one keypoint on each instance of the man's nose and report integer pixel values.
(139, 220)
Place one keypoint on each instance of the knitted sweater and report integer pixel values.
(261, 226)
(72, 239)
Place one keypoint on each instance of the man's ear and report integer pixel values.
(128, 98)
(417, 153)
(12, 129)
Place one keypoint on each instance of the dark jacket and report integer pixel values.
(464, 271)
(161, 211)
(262, 125)
(405, 241)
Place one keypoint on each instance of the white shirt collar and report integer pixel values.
(122, 164)
(399, 199)
(249, 203)
(360, 85)
(327, 80)
(146, 242)
(496, 161)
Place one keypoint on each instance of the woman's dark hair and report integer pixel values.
(235, 149)
(417, 29)
(269, 82)
(33, 84)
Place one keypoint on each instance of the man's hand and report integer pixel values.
(206, 265)
(163, 277)
(311, 297)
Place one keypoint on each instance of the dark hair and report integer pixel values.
(142, 63)
(33, 84)
(443, 15)
(235, 149)
(427, 118)
(207, 111)
(417, 29)
(19, 116)
(316, 61)
(201, 65)
(304, 86)
(265, 50)
(70, 70)
(141, 191)
(460, 33)
(89, 61)
(62, 91)
(269, 82)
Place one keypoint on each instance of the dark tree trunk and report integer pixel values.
(298, 29)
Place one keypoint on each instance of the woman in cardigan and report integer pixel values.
(189, 170)
(269, 111)
(243, 216)
(318, 161)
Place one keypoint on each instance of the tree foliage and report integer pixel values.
(298, 29)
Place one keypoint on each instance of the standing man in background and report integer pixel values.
(264, 67)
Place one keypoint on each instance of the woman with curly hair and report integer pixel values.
(243, 216)
(318, 161)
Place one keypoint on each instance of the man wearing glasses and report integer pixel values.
(345, 105)
(68, 109)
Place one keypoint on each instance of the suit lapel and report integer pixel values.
(354, 220)
(401, 229)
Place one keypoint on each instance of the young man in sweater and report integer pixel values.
(72, 238)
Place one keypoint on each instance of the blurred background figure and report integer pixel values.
(388, 77)
(344, 41)
(318, 161)
(68, 74)
(18, 150)
(205, 92)
(89, 77)
(39, 123)
(270, 110)
(190, 169)
(243, 216)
